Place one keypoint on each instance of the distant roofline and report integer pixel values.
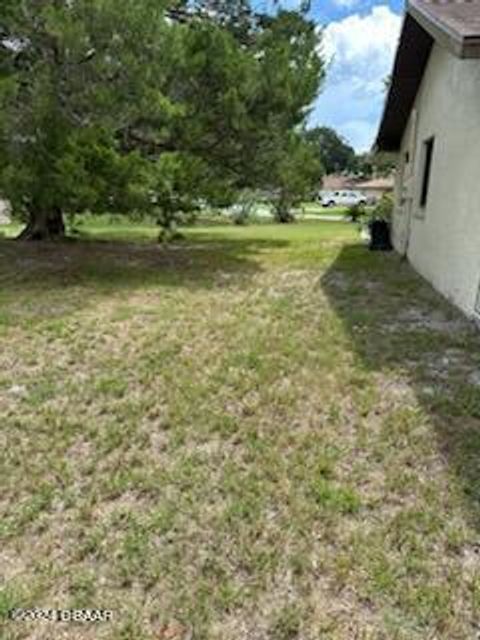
(387, 182)
(339, 182)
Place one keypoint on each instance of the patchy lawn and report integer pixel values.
(259, 433)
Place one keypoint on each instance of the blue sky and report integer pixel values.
(360, 38)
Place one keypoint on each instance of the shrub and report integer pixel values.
(356, 212)
(384, 208)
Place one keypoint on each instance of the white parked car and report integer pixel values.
(342, 198)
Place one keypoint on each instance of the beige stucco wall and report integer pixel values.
(443, 239)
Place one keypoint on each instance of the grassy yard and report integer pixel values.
(259, 433)
(315, 208)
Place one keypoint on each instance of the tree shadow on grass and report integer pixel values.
(107, 264)
(50, 280)
(397, 323)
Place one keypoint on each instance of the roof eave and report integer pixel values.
(429, 29)
(410, 62)
(460, 46)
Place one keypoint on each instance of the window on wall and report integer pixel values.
(427, 169)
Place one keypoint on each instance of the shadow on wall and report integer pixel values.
(398, 325)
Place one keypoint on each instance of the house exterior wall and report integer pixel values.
(442, 239)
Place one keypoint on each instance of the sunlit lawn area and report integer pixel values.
(315, 208)
(260, 432)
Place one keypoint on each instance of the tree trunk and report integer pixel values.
(283, 214)
(44, 225)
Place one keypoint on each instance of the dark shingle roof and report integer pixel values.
(454, 24)
(460, 16)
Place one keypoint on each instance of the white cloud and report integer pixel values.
(372, 37)
(360, 49)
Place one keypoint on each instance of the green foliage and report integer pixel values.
(293, 175)
(335, 154)
(384, 208)
(282, 161)
(244, 206)
(356, 212)
(77, 83)
(370, 164)
(92, 174)
(118, 106)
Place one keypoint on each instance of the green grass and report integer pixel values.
(315, 208)
(10, 230)
(261, 431)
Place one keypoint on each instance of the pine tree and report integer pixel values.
(145, 105)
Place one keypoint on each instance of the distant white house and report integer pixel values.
(373, 189)
(432, 121)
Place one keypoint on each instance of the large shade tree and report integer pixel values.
(334, 152)
(146, 105)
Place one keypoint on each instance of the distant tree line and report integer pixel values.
(337, 156)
